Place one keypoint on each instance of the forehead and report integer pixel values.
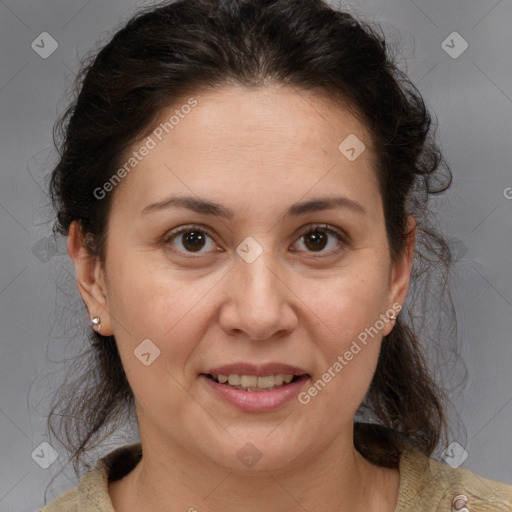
(274, 141)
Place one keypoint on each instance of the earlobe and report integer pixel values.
(90, 278)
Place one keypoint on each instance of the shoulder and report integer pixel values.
(66, 502)
(91, 494)
(431, 486)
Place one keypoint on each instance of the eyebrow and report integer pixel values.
(205, 207)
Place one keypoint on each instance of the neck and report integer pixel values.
(170, 478)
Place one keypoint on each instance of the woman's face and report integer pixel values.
(255, 287)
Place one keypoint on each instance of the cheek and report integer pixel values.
(349, 302)
(348, 329)
(163, 332)
(155, 322)
(148, 300)
(347, 356)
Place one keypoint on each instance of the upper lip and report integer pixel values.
(257, 370)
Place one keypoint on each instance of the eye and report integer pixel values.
(317, 238)
(189, 239)
(193, 239)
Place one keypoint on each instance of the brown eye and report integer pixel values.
(193, 240)
(189, 240)
(315, 240)
(320, 237)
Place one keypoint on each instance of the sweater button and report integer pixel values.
(459, 503)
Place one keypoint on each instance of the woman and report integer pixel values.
(244, 189)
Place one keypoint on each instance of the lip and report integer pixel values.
(258, 370)
(257, 401)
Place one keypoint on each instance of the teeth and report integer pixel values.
(262, 382)
(234, 380)
(278, 379)
(252, 381)
(249, 381)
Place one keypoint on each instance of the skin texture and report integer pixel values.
(257, 152)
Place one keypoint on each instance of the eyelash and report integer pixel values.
(340, 235)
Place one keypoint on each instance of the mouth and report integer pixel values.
(256, 388)
(255, 382)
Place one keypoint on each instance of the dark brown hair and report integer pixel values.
(179, 48)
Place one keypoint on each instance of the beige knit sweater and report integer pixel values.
(426, 485)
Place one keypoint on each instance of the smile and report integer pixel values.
(251, 393)
(253, 382)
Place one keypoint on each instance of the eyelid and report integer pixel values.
(187, 227)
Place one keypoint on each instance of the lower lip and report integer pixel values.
(257, 401)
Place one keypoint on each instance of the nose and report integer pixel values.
(260, 300)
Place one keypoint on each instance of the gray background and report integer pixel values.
(472, 98)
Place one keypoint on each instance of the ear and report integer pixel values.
(90, 278)
(401, 271)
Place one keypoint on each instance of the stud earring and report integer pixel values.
(96, 323)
